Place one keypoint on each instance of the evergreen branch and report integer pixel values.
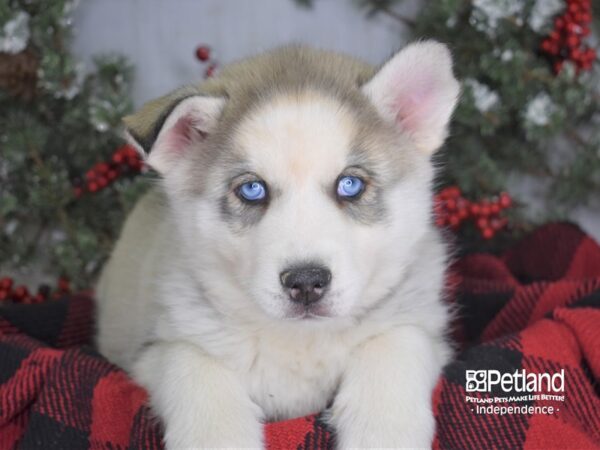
(62, 215)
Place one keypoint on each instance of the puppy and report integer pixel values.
(286, 262)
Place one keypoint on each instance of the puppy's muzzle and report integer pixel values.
(305, 284)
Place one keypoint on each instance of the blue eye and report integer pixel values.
(350, 186)
(253, 191)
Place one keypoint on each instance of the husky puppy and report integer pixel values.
(286, 263)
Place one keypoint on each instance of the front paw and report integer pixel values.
(383, 429)
(216, 425)
(220, 435)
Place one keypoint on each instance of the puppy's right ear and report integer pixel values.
(416, 90)
(167, 128)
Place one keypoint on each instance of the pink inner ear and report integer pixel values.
(413, 103)
(184, 133)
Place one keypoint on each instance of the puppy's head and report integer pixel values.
(299, 186)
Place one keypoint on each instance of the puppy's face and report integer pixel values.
(319, 206)
(308, 207)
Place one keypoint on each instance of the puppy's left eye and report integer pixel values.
(350, 187)
(252, 191)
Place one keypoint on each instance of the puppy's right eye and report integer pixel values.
(252, 191)
(350, 187)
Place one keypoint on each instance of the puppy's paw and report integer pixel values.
(383, 429)
(249, 437)
(202, 403)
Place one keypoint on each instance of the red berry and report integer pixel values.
(102, 182)
(451, 204)
(494, 208)
(102, 168)
(6, 283)
(453, 220)
(482, 223)
(129, 151)
(117, 157)
(20, 293)
(203, 53)
(487, 233)
(92, 186)
(4, 295)
(450, 192)
(573, 41)
(112, 174)
(90, 175)
(505, 200)
(475, 209)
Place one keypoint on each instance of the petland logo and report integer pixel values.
(518, 381)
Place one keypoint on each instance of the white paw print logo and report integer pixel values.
(476, 381)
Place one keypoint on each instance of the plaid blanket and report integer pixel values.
(534, 308)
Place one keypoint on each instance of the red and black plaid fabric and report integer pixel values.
(537, 307)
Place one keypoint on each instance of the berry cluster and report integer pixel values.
(203, 54)
(20, 294)
(124, 161)
(452, 209)
(565, 41)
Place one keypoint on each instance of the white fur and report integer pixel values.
(194, 309)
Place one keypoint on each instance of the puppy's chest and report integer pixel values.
(295, 378)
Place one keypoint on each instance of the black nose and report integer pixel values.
(305, 284)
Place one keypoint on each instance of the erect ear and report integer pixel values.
(417, 91)
(167, 128)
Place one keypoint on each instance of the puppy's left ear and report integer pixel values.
(167, 128)
(417, 91)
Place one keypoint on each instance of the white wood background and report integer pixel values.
(160, 36)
